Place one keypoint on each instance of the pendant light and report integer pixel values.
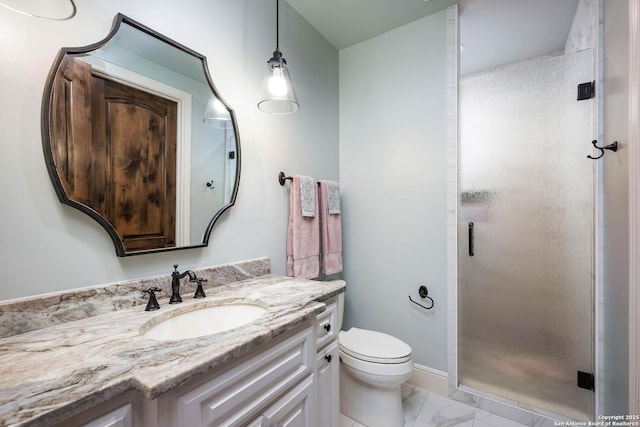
(216, 114)
(277, 95)
(54, 10)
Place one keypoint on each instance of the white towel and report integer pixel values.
(331, 230)
(308, 191)
(333, 194)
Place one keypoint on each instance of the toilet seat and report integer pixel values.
(373, 347)
(377, 370)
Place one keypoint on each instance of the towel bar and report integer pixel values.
(282, 178)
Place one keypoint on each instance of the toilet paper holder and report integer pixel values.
(424, 293)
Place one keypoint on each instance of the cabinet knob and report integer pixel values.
(327, 327)
(328, 358)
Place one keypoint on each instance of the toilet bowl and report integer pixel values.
(373, 367)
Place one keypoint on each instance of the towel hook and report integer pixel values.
(613, 147)
(424, 293)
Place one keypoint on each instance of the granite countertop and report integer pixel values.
(55, 372)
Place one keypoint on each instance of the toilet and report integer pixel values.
(373, 366)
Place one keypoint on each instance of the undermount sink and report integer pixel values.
(205, 321)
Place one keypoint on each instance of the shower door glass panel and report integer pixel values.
(525, 314)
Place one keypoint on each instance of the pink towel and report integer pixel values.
(331, 233)
(303, 237)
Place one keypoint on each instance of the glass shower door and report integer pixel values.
(526, 231)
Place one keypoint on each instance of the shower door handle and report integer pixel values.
(471, 253)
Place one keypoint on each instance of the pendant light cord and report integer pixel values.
(277, 25)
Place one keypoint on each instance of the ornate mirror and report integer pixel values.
(136, 136)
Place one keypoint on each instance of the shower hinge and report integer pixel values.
(586, 90)
(586, 380)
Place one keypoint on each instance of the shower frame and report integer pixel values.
(634, 206)
(495, 404)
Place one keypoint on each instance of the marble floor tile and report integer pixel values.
(348, 422)
(443, 412)
(419, 423)
(519, 416)
(426, 409)
(412, 400)
(487, 419)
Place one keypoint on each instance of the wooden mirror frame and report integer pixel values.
(50, 144)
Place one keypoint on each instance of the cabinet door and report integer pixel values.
(294, 409)
(129, 409)
(120, 417)
(258, 422)
(328, 386)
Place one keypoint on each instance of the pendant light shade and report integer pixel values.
(278, 96)
(216, 115)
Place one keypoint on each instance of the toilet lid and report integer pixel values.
(374, 346)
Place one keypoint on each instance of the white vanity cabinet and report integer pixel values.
(327, 367)
(290, 381)
(271, 388)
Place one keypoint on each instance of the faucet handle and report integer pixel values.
(153, 302)
(199, 291)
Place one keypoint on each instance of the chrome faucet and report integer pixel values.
(175, 283)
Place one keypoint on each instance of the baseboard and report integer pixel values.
(430, 379)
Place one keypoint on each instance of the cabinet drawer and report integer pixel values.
(326, 324)
(236, 396)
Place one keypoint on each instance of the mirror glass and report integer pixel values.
(136, 136)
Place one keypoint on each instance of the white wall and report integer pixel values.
(46, 246)
(393, 181)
